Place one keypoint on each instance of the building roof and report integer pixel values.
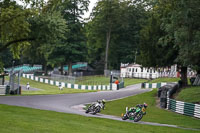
(134, 65)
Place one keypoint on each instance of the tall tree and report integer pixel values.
(104, 22)
(73, 48)
(114, 26)
(47, 29)
(177, 21)
(14, 27)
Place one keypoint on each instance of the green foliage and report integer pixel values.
(73, 47)
(25, 120)
(14, 26)
(116, 24)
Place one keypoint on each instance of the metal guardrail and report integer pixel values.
(184, 108)
(153, 85)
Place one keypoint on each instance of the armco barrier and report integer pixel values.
(69, 85)
(185, 108)
(153, 85)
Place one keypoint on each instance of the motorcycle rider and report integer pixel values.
(103, 101)
(142, 105)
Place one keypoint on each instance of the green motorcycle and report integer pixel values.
(135, 113)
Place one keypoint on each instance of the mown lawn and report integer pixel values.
(159, 80)
(190, 94)
(98, 80)
(46, 88)
(93, 80)
(25, 120)
(154, 114)
(129, 81)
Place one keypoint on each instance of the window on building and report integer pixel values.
(147, 70)
(133, 69)
(141, 69)
(136, 70)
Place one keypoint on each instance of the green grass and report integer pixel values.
(25, 120)
(95, 80)
(46, 88)
(159, 80)
(154, 114)
(190, 94)
(130, 81)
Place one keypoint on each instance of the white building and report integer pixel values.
(137, 71)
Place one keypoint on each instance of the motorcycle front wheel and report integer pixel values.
(96, 110)
(138, 117)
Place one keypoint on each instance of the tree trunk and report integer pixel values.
(107, 48)
(61, 69)
(70, 68)
(184, 76)
(44, 68)
(198, 72)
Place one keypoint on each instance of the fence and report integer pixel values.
(70, 85)
(86, 80)
(183, 108)
(62, 78)
(115, 73)
(153, 75)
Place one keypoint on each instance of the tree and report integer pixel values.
(104, 23)
(114, 30)
(73, 48)
(14, 28)
(47, 29)
(177, 23)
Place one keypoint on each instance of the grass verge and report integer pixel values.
(95, 80)
(159, 80)
(26, 120)
(190, 94)
(154, 114)
(130, 81)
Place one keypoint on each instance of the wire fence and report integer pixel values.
(84, 80)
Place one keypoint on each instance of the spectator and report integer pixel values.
(27, 86)
(117, 83)
(60, 86)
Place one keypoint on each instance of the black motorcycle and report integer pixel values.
(96, 107)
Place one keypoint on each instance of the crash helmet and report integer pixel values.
(145, 105)
(103, 101)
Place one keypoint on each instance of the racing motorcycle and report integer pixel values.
(96, 107)
(135, 113)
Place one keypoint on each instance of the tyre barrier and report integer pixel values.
(184, 108)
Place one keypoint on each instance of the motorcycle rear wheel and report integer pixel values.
(87, 111)
(124, 117)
